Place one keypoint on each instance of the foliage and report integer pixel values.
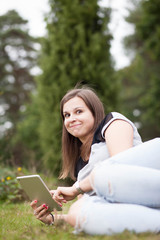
(76, 49)
(27, 137)
(141, 78)
(10, 190)
(23, 225)
(18, 56)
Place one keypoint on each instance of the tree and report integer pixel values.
(143, 73)
(27, 136)
(18, 56)
(76, 49)
(149, 32)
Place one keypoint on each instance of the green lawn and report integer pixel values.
(18, 223)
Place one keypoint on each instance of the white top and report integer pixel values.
(99, 151)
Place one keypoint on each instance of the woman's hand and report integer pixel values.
(41, 213)
(64, 194)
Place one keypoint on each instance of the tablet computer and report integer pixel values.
(36, 189)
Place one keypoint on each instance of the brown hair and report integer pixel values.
(72, 148)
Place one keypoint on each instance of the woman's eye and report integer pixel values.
(66, 115)
(79, 111)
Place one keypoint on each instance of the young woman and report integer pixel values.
(106, 156)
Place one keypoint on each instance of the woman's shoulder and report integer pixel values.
(109, 118)
(118, 115)
(115, 116)
(97, 135)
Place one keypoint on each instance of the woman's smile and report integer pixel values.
(75, 125)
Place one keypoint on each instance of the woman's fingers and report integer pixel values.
(59, 201)
(64, 194)
(40, 213)
(37, 210)
(33, 204)
(58, 197)
(52, 192)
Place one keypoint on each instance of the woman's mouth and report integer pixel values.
(75, 125)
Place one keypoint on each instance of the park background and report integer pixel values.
(36, 71)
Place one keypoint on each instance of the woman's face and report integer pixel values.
(78, 119)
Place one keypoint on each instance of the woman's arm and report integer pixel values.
(64, 194)
(119, 137)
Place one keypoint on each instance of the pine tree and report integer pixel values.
(142, 76)
(17, 58)
(76, 49)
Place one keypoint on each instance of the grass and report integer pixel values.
(18, 223)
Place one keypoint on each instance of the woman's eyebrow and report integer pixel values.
(73, 109)
(78, 108)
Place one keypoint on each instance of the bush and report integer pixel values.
(10, 190)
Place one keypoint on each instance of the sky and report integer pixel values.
(34, 10)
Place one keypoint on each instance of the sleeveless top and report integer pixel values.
(99, 150)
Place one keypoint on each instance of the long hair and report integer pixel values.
(72, 148)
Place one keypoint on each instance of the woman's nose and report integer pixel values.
(72, 118)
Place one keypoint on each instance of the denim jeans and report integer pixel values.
(128, 193)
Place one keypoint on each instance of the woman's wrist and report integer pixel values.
(77, 186)
(84, 185)
(52, 219)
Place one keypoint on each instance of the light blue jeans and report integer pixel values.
(128, 193)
